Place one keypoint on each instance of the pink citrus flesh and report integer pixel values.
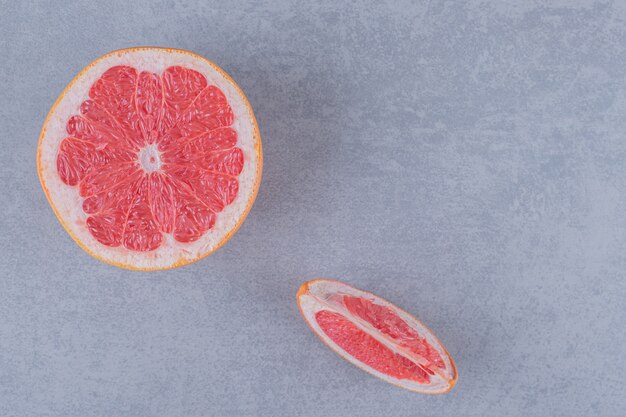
(151, 154)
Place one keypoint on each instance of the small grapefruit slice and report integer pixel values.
(151, 158)
(377, 336)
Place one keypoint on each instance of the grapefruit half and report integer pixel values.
(377, 336)
(151, 158)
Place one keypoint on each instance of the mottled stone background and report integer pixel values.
(466, 160)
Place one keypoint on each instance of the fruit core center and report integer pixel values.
(150, 158)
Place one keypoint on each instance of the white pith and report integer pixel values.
(66, 199)
(150, 158)
(322, 295)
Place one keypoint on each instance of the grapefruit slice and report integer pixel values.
(377, 336)
(151, 158)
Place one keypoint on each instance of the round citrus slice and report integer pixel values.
(151, 158)
(377, 336)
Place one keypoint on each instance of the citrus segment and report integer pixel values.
(180, 87)
(148, 103)
(113, 103)
(162, 198)
(212, 189)
(157, 144)
(367, 349)
(377, 336)
(385, 320)
(193, 218)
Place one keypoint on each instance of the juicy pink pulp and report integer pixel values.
(367, 349)
(151, 154)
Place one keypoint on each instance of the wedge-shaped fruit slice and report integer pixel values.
(377, 336)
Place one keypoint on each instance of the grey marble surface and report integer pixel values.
(466, 160)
